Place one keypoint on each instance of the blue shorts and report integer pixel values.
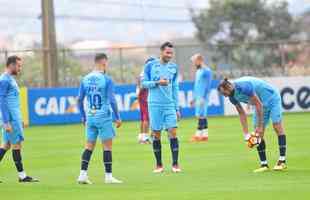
(104, 130)
(201, 107)
(16, 136)
(273, 111)
(162, 117)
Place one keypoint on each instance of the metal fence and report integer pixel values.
(125, 64)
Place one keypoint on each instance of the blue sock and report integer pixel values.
(202, 124)
(282, 145)
(85, 159)
(18, 160)
(262, 153)
(2, 153)
(107, 159)
(174, 145)
(157, 151)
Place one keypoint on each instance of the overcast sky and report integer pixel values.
(21, 17)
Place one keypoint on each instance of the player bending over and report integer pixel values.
(266, 101)
(203, 79)
(97, 88)
(142, 93)
(12, 125)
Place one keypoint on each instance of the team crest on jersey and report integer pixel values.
(172, 70)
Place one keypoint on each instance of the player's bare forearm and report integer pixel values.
(260, 115)
(243, 119)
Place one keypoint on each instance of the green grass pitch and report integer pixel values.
(220, 169)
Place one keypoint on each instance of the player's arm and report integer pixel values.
(260, 116)
(243, 120)
(146, 79)
(208, 77)
(175, 92)
(4, 110)
(81, 101)
(113, 103)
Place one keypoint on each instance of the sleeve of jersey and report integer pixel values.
(112, 99)
(175, 90)
(81, 100)
(146, 79)
(247, 88)
(4, 110)
(234, 101)
(208, 76)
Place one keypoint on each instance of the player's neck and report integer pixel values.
(163, 62)
(9, 72)
(99, 69)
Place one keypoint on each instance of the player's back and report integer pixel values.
(12, 96)
(203, 78)
(262, 89)
(96, 88)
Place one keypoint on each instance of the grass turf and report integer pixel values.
(220, 169)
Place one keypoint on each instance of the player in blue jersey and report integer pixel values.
(97, 88)
(267, 103)
(203, 79)
(161, 79)
(11, 118)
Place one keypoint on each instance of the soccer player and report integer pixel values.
(202, 87)
(143, 137)
(161, 79)
(97, 88)
(266, 101)
(11, 118)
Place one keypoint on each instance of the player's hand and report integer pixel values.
(118, 123)
(24, 125)
(163, 82)
(253, 140)
(178, 115)
(7, 127)
(192, 103)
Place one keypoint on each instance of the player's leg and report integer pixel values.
(91, 137)
(106, 134)
(5, 145)
(276, 117)
(170, 122)
(156, 120)
(143, 136)
(261, 148)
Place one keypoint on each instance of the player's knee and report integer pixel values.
(90, 146)
(156, 135)
(278, 128)
(6, 146)
(17, 146)
(172, 133)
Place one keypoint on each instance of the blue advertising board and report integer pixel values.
(59, 105)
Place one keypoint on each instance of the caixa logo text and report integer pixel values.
(56, 106)
(295, 97)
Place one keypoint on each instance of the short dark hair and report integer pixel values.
(100, 56)
(166, 44)
(12, 60)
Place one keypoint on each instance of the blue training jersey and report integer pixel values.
(161, 95)
(97, 88)
(203, 79)
(247, 86)
(9, 99)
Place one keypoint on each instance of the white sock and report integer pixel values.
(83, 173)
(198, 133)
(264, 162)
(22, 175)
(140, 136)
(282, 158)
(145, 136)
(108, 175)
(204, 132)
